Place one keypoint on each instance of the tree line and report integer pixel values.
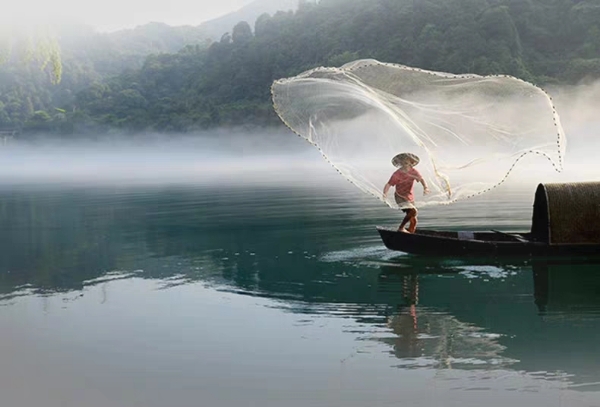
(228, 82)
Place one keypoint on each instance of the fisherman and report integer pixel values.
(403, 179)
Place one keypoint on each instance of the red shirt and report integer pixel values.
(404, 182)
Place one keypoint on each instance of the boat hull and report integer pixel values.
(480, 244)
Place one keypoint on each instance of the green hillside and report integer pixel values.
(228, 82)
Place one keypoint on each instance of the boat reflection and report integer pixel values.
(554, 332)
(567, 286)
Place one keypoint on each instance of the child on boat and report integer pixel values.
(403, 179)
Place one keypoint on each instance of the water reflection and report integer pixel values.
(567, 295)
(559, 334)
(567, 286)
(311, 256)
(426, 337)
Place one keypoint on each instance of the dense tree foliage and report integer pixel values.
(228, 83)
(44, 71)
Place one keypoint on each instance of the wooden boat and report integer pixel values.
(566, 222)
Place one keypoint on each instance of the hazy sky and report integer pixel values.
(111, 15)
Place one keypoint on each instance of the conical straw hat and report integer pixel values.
(397, 160)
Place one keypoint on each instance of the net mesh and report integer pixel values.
(468, 131)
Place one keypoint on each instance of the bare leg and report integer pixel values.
(404, 222)
(412, 221)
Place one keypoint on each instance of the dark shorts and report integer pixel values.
(401, 201)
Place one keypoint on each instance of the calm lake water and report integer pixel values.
(258, 294)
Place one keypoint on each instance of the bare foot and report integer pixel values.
(403, 230)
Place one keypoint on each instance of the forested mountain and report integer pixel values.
(28, 95)
(228, 83)
(215, 28)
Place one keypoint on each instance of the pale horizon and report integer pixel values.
(114, 15)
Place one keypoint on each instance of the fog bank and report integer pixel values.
(235, 156)
(232, 157)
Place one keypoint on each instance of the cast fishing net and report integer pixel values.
(469, 131)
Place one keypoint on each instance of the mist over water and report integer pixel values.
(234, 156)
(204, 158)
